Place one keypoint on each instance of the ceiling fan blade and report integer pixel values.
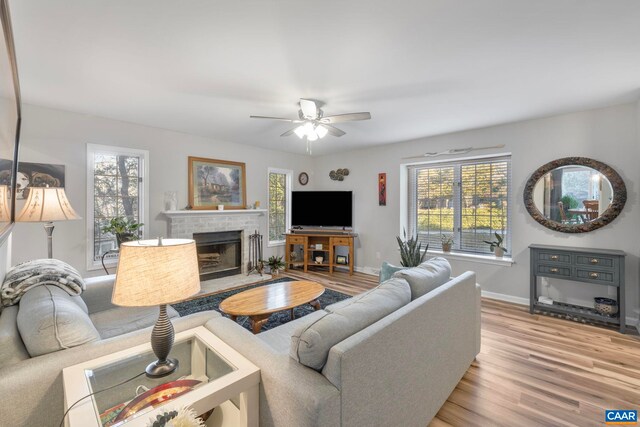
(309, 108)
(289, 132)
(350, 117)
(334, 130)
(282, 119)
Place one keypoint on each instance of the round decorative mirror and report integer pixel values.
(575, 195)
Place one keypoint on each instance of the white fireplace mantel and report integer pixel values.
(198, 212)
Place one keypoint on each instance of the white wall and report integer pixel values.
(609, 135)
(60, 137)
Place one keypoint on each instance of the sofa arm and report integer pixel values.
(97, 294)
(33, 388)
(290, 393)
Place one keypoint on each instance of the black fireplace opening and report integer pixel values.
(219, 253)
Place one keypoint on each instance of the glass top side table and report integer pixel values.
(208, 368)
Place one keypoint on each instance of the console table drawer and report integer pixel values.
(550, 270)
(341, 241)
(296, 240)
(597, 276)
(595, 261)
(554, 257)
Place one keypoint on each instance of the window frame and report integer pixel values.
(143, 196)
(289, 183)
(409, 195)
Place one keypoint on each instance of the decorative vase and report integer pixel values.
(124, 237)
(446, 247)
(499, 252)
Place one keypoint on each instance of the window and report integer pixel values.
(279, 205)
(115, 187)
(467, 199)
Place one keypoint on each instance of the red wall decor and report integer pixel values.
(382, 189)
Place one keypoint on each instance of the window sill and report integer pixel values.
(482, 259)
(275, 244)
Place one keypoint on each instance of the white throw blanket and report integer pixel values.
(25, 276)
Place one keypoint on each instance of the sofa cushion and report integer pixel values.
(122, 320)
(387, 270)
(427, 276)
(279, 338)
(12, 349)
(49, 319)
(310, 343)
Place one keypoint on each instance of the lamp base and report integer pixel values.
(160, 369)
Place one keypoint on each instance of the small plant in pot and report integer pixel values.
(447, 242)
(496, 246)
(275, 264)
(124, 229)
(411, 254)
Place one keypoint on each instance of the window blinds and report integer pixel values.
(468, 200)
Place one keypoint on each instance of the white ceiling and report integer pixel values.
(421, 67)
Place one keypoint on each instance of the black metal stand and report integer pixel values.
(161, 342)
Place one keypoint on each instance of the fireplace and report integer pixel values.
(219, 253)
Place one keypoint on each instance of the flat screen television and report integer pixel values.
(321, 209)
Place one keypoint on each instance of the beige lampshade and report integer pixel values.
(151, 274)
(47, 204)
(4, 204)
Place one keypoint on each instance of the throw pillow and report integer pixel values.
(387, 270)
(49, 319)
(427, 276)
(310, 344)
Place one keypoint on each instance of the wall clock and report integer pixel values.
(303, 178)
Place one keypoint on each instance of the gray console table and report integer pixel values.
(597, 266)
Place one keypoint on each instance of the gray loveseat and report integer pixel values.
(31, 387)
(398, 371)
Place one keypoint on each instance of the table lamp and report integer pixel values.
(157, 272)
(47, 204)
(5, 216)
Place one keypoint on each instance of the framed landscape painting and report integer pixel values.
(216, 182)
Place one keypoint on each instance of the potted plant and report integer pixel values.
(411, 254)
(447, 242)
(496, 246)
(275, 264)
(124, 229)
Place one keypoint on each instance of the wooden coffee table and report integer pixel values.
(259, 303)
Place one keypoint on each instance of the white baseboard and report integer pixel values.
(367, 270)
(633, 322)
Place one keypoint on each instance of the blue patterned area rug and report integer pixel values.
(212, 302)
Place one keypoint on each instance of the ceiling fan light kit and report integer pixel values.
(314, 124)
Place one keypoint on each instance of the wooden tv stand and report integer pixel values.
(309, 240)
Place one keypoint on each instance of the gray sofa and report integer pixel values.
(31, 387)
(397, 371)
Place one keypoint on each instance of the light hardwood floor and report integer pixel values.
(533, 370)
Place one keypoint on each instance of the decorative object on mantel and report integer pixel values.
(382, 189)
(313, 124)
(603, 195)
(339, 174)
(447, 242)
(411, 254)
(255, 254)
(157, 272)
(496, 245)
(47, 204)
(303, 178)
(216, 182)
(170, 200)
(454, 151)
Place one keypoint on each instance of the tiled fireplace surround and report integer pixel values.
(182, 225)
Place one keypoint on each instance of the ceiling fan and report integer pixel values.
(313, 124)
